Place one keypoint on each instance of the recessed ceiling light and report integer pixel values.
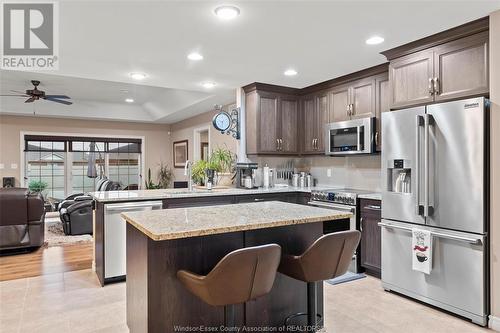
(290, 72)
(227, 12)
(208, 85)
(138, 76)
(195, 56)
(374, 40)
(129, 100)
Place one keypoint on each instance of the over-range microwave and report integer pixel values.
(348, 137)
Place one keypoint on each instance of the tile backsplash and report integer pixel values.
(360, 172)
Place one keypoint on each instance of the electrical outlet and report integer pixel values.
(328, 172)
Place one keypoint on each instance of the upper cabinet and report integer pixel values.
(446, 66)
(461, 68)
(411, 79)
(353, 100)
(271, 123)
(314, 119)
(382, 96)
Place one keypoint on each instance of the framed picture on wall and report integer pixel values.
(180, 153)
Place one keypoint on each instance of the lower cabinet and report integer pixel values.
(370, 247)
(285, 197)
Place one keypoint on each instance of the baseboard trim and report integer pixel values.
(494, 323)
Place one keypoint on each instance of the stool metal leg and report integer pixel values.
(229, 315)
(312, 303)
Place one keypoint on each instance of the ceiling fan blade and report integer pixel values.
(30, 100)
(58, 96)
(19, 92)
(58, 101)
(16, 95)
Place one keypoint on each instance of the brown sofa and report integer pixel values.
(22, 218)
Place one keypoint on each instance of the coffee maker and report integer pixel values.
(244, 170)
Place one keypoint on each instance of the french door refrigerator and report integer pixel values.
(434, 177)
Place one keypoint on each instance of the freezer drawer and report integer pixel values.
(457, 282)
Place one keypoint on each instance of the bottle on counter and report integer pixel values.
(265, 177)
(308, 180)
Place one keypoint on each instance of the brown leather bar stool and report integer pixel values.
(328, 257)
(240, 276)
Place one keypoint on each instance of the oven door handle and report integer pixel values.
(332, 206)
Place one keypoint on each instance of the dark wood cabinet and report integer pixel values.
(462, 68)
(272, 123)
(363, 98)
(353, 100)
(454, 69)
(411, 79)
(371, 242)
(322, 110)
(339, 103)
(314, 119)
(289, 125)
(309, 120)
(382, 105)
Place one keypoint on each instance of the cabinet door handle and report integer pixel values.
(280, 144)
(436, 86)
(361, 224)
(376, 138)
(315, 144)
(352, 109)
(348, 109)
(277, 144)
(431, 86)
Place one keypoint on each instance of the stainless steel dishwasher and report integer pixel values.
(115, 235)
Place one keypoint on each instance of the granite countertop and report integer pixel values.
(115, 196)
(372, 196)
(168, 224)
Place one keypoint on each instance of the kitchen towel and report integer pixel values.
(421, 250)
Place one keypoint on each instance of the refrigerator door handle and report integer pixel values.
(435, 233)
(428, 121)
(418, 207)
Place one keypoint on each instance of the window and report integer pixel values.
(123, 163)
(62, 162)
(45, 167)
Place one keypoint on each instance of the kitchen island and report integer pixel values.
(109, 229)
(161, 242)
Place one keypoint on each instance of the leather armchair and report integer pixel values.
(76, 213)
(22, 219)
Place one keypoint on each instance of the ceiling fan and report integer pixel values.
(35, 94)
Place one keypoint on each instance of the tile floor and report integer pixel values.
(74, 302)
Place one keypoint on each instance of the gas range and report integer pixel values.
(344, 196)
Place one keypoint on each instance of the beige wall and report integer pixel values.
(495, 164)
(157, 140)
(184, 130)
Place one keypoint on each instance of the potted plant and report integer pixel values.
(220, 163)
(164, 178)
(37, 186)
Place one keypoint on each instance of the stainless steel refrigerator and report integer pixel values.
(435, 177)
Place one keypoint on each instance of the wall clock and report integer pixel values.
(222, 121)
(227, 123)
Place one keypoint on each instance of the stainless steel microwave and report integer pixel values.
(350, 137)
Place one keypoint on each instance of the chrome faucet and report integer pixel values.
(187, 172)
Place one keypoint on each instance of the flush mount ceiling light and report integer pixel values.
(195, 56)
(374, 40)
(290, 72)
(227, 12)
(129, 100)
(208, 85)
(138, 76)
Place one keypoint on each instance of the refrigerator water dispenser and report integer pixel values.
(399, 176)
